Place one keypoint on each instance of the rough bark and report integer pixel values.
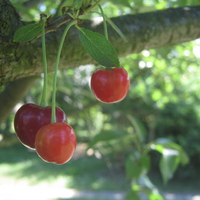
(143, 31)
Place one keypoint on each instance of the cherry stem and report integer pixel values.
(53, 114)
(104, 22)
(44, 92)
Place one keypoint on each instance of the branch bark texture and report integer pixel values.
(143, 31)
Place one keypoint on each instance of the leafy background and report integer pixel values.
(123, 140)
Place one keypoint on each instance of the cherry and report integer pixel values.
(56, 143)
(110, 85)
(30, 118)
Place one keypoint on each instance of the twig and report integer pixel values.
(53, 26)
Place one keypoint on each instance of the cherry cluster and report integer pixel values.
(56, 142)
(45, 129)
(53, 142)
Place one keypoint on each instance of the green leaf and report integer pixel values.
(136, 167)
(169, 163)
(133, 170)
(155, 196)
(27, 33)
(172, 156)
(99, 48)
(164, 143)
(77, 4)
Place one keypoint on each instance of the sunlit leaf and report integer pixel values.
(168, 144)
(169, 163)
(155, 196)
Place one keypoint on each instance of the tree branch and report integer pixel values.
(143, 31)
(53, 26)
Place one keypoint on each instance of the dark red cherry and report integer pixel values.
(30, 118)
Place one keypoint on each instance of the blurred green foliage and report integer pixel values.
(163, 102)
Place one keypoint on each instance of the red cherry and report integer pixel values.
(110, 85)
(55, 143)
(30, 118)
